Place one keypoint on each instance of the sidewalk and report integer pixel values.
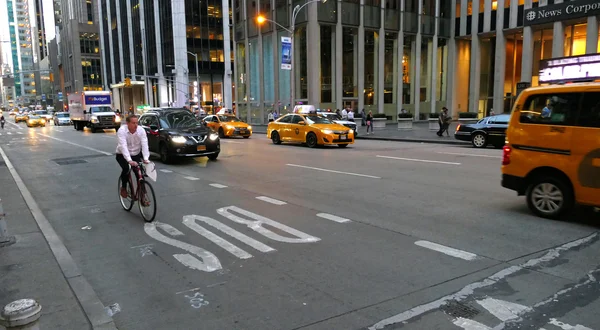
(28, 269)
(419, 133)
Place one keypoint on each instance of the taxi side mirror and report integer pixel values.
(302, 123)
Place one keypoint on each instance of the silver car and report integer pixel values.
(336, 119)
(62, 118)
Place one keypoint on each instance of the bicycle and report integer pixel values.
(143, 193)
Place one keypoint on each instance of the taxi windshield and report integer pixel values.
(314, 119)
(41, 112)
(229, 119)
(34, 117)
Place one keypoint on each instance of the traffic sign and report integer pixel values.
(43, 97)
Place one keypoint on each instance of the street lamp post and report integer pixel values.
(197, 76)
(261, 19)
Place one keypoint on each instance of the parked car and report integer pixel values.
(489, 130)
(177, 133)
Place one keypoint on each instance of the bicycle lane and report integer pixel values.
(303, 270)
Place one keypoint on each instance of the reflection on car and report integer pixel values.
(34, 121)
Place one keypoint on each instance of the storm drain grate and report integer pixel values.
(457, 309)
(70, 162)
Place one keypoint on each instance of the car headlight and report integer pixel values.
(228, 126)
(117, 119)
(94, 119)
(178, 139)
(249, 127)
(213, 136)
(350, 131)
(327, 131)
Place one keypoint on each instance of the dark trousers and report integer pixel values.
(125, 167)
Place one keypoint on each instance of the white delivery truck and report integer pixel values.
(93, 110)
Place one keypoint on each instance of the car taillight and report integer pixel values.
(506, 150)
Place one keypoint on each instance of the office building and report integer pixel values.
(153, 43)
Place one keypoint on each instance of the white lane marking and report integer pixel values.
(58, 130)
(19, 132)
(270, 200)
(471, 155)
(257, 225)
(470, 288)
(209, 262)
(191, 178)
(9, 133)
(333, 171)
(565, 326)
(234, 142)
(333, 217)
(419, 160)
(191, 222)
(470, 324)
(17, 126)
(75, 144)
(217, 185)
(503, 310)
(447, 250)
(194, 289)
(166, 171)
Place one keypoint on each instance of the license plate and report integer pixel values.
(243, 132)
(201, 148)
(342, 137)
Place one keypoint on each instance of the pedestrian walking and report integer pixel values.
(370, 122)
(2, 120)
(271, 117)
(444, 122)
(351, 115)
(344, 114)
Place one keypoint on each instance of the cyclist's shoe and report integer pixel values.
(124, 193)
(145, 202)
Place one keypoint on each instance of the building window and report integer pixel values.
(90, 11)
(350, 62)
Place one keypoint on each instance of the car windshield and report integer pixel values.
(100, 109)
(317, 120)
(180, 119)
(41, 112)
(34, 117)
(62, 115)
(229, 119)
(331, 116)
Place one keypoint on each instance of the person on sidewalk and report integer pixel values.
(270, 117)
(443, 122)
(370, 122)
(351, 115)
(344, 114)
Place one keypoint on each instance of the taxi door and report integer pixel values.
(296, 132)
(586, 150)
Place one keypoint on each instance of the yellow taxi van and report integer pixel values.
(552, 150)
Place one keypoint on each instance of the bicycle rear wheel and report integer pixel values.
(126, 203)
(147, 202)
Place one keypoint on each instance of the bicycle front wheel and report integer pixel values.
(147, 202)
(126, 203)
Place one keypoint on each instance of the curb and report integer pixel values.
(360, 137)
(453, 142)
(84, 293)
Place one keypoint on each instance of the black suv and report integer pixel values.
(177, 133)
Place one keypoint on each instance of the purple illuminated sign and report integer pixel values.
(566, 69)
(97, 99)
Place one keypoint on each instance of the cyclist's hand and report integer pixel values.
(146, 161)
(133, 164)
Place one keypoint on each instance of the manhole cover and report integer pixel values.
(457, 309)
(70, 162)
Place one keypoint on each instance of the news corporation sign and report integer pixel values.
(567, 69)
(560, 12)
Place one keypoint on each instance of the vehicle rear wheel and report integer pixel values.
(549, 197)
(479, 140)
(311, 140)
(275, 137)
(342, 145)
(213, 156)
(164, 154)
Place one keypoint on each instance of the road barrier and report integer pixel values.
(5, 240)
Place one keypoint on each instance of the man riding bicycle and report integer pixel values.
(132, 148)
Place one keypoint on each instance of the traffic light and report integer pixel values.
(127, 82)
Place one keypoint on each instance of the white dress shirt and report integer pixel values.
(132, 143)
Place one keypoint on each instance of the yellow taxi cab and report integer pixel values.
(35, 120)
(552, 150)
(309, 128)
(19, 117)
(228, 125)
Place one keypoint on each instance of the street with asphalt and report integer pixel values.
(379, 235)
